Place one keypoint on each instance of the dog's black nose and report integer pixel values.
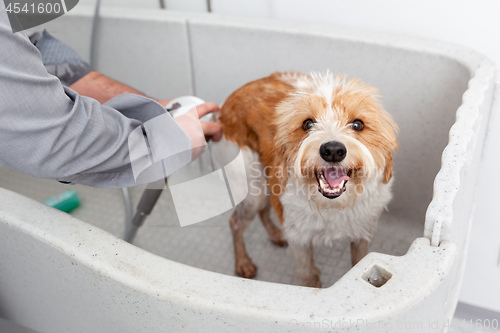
(333, 151)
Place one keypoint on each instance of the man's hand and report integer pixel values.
(198, 130)
(103, 88)
(210, 129)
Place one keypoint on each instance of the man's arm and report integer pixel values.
(49, 131)
(103, 88)
(63, 62)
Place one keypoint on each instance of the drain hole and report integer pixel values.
(377, 276)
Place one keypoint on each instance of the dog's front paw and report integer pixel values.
(245, 268)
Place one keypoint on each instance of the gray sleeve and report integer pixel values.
(49, 131)
(59, 59)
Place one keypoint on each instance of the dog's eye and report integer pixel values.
(358, 125)
(307, 124)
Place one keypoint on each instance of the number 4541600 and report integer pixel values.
(39, 8)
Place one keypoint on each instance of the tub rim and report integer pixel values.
(190, 287)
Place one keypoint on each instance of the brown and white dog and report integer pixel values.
(318, 149)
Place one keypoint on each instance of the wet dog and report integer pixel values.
(318, 148)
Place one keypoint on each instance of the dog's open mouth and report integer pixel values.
(332, 181)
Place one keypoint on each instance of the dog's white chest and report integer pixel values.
(305, 223)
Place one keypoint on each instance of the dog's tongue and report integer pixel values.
(334, 176)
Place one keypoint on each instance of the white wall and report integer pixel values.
(193, 5)
(473, 23)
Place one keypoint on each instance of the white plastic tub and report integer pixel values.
(60, 274)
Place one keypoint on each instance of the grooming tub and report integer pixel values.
(61, 274)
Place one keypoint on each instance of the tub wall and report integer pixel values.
(226, 57)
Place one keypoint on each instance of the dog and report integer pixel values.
(318, 149)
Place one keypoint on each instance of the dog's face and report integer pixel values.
(335, 137)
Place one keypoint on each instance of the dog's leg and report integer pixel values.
(243, 264)
(305, 269)
(359, 249)
(275, 234)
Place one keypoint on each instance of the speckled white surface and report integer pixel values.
(92, 281)
(60, 274)
(207, 245)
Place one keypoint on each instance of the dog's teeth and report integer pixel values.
(327, 189)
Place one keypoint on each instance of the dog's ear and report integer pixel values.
(388, 168)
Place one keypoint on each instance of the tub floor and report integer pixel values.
(208, 245)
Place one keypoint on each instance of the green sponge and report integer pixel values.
(66, 201)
